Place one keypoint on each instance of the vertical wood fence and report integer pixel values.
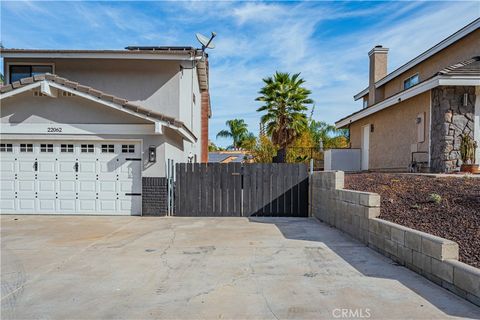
(236, 189)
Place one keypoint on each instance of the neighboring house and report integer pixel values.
(92, 131)
(227, 156)
(421, 109)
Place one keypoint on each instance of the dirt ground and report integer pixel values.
(448, 207)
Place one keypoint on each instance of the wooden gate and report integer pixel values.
(235, 189)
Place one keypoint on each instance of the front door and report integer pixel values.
(365, 146)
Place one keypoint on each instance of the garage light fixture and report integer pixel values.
(152, 154)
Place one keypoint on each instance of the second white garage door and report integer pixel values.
(71, 177)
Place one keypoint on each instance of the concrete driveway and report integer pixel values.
(63, 267)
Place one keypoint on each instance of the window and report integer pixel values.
(6, 147)
(365, 103)
(18, 72)
(46, 148)
(87, 148)
(128, 148)
(410, 82)
(66, 148)
(26, 147)
(108, 148)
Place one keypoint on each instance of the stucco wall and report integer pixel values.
(25, 108)
(395, 133)
(462, 50)
(150, 83)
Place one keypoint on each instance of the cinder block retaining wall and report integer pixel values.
(154, 196)
(356, 213)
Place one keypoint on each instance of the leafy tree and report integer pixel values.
(328, 134)
(237, 130)
(248, 142)
(264, 150)
(285, 101)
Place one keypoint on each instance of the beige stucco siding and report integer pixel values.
(395, 133)
(464, 49)
(26, 108)
(151, 83)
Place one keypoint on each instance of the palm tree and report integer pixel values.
(237, 130)
(285, 101)
(328, 134)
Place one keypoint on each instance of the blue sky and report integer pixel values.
(326, 41)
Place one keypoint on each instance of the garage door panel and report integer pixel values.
(46, 204)
(45, 186)
(107, 186)
(67, 205)
(26, 204)
(26, 166)
(26, 185)
(7, 202)
(7, 186)
(67, 186)
(7, 166)
(70, 180)
(87, 186)
(87, 167)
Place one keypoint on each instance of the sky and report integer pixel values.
(327, 42)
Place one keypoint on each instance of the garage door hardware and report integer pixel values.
(133, 194)
(35, 166)
(133, 159)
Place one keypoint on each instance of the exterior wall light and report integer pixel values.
(152, 154)
(465, 99)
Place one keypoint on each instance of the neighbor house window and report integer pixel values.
(128, 148)
(66, 148)
(26, 147)
(6, 147)
(46, 148)
(18, 72)
(410, 82)
(365, 103)
(86, 148)
(108, 148)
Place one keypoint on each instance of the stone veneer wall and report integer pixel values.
(356, 213)
(450, 121)
(154, 196)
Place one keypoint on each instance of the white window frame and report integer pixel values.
(67, 148)
(109, 148)
(87, 148)
(28, 147)
(413, 75)
(47, 147)
(128, 148)
(6, 147)
(8, 64)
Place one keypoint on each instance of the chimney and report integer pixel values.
(378, 70)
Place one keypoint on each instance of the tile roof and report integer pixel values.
(469, 67)
(95, 93)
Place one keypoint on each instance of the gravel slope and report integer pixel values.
(409, 200)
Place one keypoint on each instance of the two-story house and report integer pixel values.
(95, 131)
(419, 112)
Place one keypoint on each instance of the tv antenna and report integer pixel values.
(206, 42)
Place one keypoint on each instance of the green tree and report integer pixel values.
(328, 134)
(248, 142)
(237, 130)
(284, 101)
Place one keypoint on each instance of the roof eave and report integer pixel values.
(440, 80)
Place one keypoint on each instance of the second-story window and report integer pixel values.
(365, 103)
(410, 82)
(18, 72)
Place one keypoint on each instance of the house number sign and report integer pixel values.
(54, 129)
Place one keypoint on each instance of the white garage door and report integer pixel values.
(70, 177)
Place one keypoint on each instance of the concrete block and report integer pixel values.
(385, 230)
(398, 235)
(465, 277)
(422, 262)
(439, 248)
(443, 270)
(451, 287)
(376, 240)
(405, 254)
(391, 247)
(413, 241)
(473, 299)
(371, 212)
(374, 226)
(369, 199)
